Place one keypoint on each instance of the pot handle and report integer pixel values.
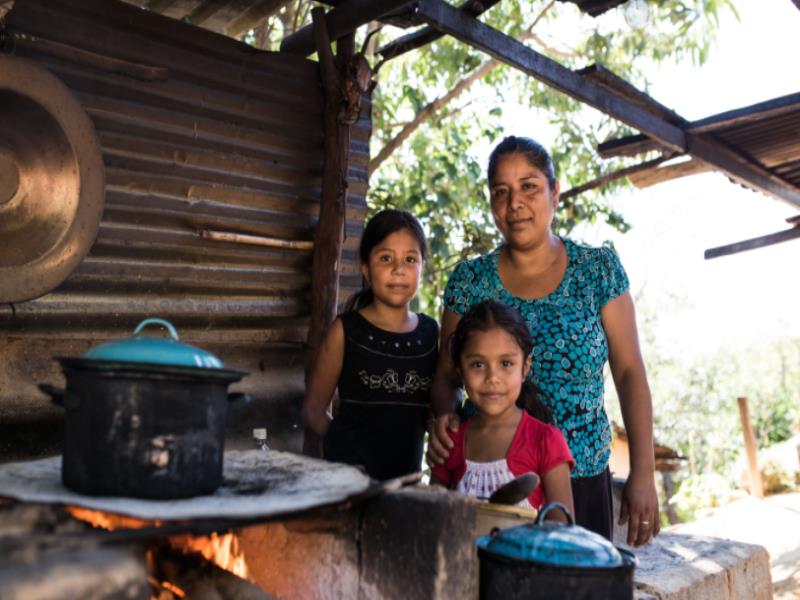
(61, 397)
(550, 506)
(162, 322)
(238, 400)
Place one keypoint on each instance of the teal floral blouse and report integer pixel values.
(570, 347)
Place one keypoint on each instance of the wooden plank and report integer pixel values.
(506, 49)
(686, 168)
(160, 6)
(631, 145)
(204, 11)
(747, 114)
(636, 144)
(428, 34)
(253, 16)
(613, 82)
(341, 21)
(613, 176)
(753, 243)
(450, 20)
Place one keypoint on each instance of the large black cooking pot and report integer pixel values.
(547, 560)
(145, 417)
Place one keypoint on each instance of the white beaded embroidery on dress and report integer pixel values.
(482, 478)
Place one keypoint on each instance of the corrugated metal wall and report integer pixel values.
(199, 133)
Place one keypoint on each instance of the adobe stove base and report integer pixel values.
(371, 542)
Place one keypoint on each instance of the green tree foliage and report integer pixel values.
(694, 400)
(436, 172)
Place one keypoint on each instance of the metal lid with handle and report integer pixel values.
(552, 543)
(154, 350)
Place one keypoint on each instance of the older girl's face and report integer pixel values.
(523, 203)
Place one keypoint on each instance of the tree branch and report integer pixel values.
(436, 105)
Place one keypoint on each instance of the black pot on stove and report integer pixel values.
(145, 417)
(551, 561)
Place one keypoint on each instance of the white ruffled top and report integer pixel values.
(482, 478)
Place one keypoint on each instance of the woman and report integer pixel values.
(576, 303)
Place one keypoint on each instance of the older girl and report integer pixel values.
(380, 355)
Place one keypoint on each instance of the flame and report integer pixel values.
(109, 521)
(222, 550)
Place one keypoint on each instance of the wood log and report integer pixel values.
(178, 575)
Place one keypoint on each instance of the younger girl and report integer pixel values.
(490, 349)
(380, 355)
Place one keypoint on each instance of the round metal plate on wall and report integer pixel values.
(52, 181)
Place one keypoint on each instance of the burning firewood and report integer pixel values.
(178, 575)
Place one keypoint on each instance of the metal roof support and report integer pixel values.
(345, 18)
(450, 20)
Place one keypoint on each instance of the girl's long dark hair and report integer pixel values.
(379, 227)
(491, 314)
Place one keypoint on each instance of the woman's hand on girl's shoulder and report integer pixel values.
(439, 442)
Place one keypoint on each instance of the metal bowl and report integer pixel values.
(51, 181)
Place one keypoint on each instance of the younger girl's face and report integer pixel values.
(394, 269)
(493, 369)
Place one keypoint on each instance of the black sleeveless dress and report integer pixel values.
(384, 395)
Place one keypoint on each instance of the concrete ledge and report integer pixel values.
(686, 567)
(679, 566)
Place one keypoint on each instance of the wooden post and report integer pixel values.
(756, 487)
(343, 83)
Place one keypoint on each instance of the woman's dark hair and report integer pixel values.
(533, 151)
(379, 227)
(491, 314)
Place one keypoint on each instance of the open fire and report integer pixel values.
(182, 552)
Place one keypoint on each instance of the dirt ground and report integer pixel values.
(773, 523)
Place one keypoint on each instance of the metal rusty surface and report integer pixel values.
(198, 133)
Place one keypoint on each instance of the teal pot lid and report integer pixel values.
(154, 350)
(553, 544)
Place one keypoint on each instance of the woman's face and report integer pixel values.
(523, 203)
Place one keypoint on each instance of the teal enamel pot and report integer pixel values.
(145, 416)
(550, 560)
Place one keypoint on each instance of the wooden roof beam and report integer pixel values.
(160, 6)
(204, 11)
(447, 19)
(342, 20)
(636, 144)
(450, 20)
(758, 242)
(616, 84)
(254, 15)
(428, 34)
(685, 168)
